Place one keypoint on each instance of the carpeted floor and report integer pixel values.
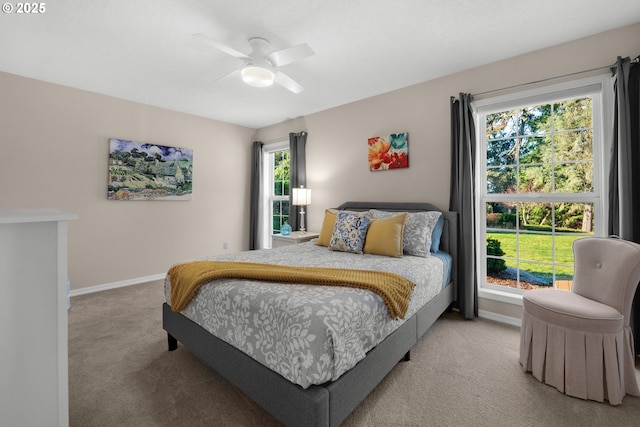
(460, 373)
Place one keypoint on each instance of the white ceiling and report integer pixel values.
(143, 50)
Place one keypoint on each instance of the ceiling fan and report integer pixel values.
(260, 65)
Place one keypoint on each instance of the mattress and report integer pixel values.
(309, 334)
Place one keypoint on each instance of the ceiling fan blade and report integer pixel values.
(288, 83)
(289, 55)
(220, 46)
(229, 74)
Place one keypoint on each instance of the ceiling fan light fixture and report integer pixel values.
(257, 76)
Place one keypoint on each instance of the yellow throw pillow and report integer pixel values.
(327, 227)
(384, 236)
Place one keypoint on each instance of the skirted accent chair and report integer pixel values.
(580, 341)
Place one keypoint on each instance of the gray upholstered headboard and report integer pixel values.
(449, 240)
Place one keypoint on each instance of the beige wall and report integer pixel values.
(337, 167)
(54, 155)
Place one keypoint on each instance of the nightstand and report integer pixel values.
(278, 240)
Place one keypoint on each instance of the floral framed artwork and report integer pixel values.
(390, 152)
(139, 171)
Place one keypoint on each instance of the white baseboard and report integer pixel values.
(114, 285)
(513, 321)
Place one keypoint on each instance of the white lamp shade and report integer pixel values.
(301, 197)
(257, 76)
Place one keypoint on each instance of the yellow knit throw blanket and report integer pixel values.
(187, 278)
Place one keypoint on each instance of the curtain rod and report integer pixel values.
(635, 60)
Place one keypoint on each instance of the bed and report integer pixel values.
(307, 394)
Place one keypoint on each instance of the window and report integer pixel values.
(276, 188)
(539, 185)
(280, 189)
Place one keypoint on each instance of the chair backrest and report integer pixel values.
(607, 270)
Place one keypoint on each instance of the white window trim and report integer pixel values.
(601, 88)
(267, 185)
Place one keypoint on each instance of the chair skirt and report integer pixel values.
(583, 364)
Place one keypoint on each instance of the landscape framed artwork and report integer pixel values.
(141, 171)
(389, 152)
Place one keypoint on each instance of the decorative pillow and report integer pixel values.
(349, 232)
(327, 227)
(437, 234)
(417, 230)
(384, 236)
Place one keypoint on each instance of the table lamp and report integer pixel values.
(301, 197)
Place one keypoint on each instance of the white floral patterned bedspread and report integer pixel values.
(308, 334)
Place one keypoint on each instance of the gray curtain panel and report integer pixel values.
(297, 173)
(254, 202)
(624, 172)
(462, 200)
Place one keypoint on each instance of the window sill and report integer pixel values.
(507, 297)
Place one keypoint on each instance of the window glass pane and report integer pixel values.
(574, 217)
(534, 275)
(535, 179)
(501, 216)
(500, 125)
(281, 173)
(497, 273)
(535, 247)
(574, 177)
(573, 145)
(535, 150)
(535, 216)
(573, 114)
(280, 209)
(500, 245)
(534, 120)
(501, 152)
(501, 179)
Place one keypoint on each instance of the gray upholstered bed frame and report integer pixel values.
(328, 404)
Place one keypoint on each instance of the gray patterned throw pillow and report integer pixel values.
(349, 232)
(417, 230)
